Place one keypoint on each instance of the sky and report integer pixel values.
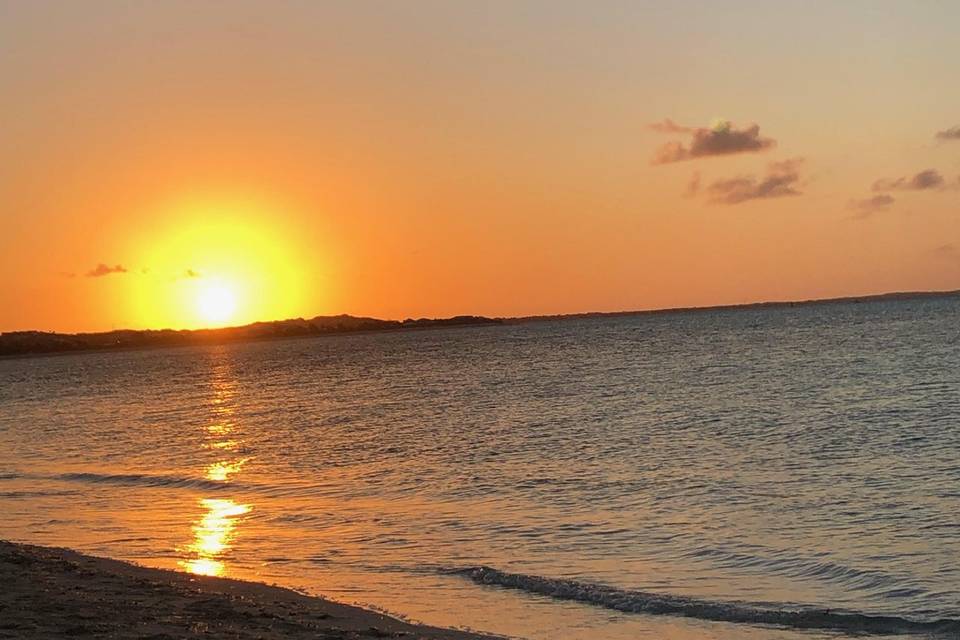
(198, 163)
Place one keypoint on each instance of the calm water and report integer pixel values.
(738, 461)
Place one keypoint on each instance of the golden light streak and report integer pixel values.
(214, 531)
(213, 535)
(221, 471)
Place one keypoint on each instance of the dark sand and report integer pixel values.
(58, 593)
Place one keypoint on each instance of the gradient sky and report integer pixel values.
(402, 159)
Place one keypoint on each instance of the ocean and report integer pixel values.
(785, 472)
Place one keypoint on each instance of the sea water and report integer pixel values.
(788, 472)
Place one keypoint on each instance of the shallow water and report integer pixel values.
(762, 463)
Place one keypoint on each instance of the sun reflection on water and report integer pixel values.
(215, 530)
(213, 534)
(219, 429)
(223, 469)
(229, 445)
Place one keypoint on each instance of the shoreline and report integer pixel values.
(189, 337)
(256, 340)
(55, 592)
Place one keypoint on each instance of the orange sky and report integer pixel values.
(435, 158)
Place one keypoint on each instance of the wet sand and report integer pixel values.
(57, 593)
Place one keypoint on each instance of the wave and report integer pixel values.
(20, 495)
(160, 481)
(800, 567)
(632, 601)
(144, 480)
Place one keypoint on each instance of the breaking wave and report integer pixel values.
(632, 601)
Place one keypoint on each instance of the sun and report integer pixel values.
(216, 302)
(224, 260)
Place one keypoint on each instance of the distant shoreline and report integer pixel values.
(876, 297)
(50, 592)
(26, 344)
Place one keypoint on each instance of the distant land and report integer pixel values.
(27, 343)
(878, 297)
(30, 343)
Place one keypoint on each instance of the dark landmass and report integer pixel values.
(58, 593)
(29, 343)
(26, 343)
(880, 297)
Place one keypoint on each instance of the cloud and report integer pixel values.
(669, 126)
(720, 140)
(948, 251)
(868, 206)
(953, 133)
(927, 179)
(780, 181)
(104, 270)
(693, 187)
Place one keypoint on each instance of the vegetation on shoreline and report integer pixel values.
(27, 343)
(23, 343)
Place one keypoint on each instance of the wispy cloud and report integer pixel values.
(719, 140)
(947, 254)
(669, 126)
(927, 179)
(781, 180)
(104, 270)
(953, 133)
(948, 251)
(693, 187)
(869, 206)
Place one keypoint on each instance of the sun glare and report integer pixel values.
(218, 262)
(216, 302)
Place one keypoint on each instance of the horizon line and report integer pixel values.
(544, 316)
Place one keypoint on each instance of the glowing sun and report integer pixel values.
(216, 302)
(217, 261)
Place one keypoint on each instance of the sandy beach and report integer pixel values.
(57, 593)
